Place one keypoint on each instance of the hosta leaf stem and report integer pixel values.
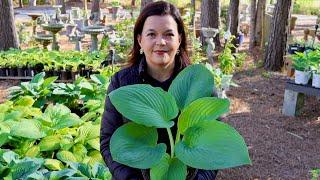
(171, 142)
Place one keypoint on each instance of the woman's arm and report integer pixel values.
(206, 174)
(111, 120)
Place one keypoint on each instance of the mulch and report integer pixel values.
(280, 147)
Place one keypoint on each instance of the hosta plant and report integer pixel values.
(12, 167)
(201, 141)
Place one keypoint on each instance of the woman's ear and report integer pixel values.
(139, 39)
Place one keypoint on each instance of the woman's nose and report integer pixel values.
(160, 41)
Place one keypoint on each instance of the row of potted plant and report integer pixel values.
(65, 65)
(307, 65)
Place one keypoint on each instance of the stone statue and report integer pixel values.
(210, 49)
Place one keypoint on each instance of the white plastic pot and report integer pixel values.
(226, 81)
(302, 77)
(316, 80)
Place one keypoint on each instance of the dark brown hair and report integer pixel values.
(159, 8)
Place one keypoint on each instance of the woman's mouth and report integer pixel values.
(160, 52)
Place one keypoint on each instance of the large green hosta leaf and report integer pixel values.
(87, 132)
(27, 128)
(62, 174)
(59, 117)
(26, 167)
(24, 101)
(192, 83)
(207, 108)
(79, 151)
(93, 143)
(94, 158)
(145, 105)
(50, 143)
(212, 145)
(66, 156)
(83, 169)
(136, 146)
(34, 151)
(53, 164)
(169, 169)
(100, 171)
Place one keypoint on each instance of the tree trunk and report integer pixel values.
(210, 17)
(8, 34)
(233, 14)
(256, 24)
(261, 10)
(193, 12)
(233, 21)
(253, 21)
(20, 4)
(85, 7)
(278, 36)
(144, 3)
(63, 4)
(32, 2)
(95, 9)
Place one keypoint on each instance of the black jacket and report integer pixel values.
(112, 119)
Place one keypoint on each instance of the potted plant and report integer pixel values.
(301, 65)
(314, 57)
(201, 141)
(316, 77)
(115, 6)
(297, 46)
(74, 70)
(227, 65)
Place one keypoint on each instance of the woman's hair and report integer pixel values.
(159, 8)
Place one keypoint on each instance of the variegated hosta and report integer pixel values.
(201, 142)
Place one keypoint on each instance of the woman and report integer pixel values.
(158, 55)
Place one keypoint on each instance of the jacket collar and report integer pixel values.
(143, 68)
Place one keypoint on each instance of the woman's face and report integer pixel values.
(159, 40)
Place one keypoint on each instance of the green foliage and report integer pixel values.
(239, 58)
(307, 7)
(38, 88)
(123, 45)
(11, 167)
(115, 3)
(266, 74)
(51, 59)
(169, 169)
(206, 143)
(44, 90)
(314, 58)
(315, 174)
(300, 61)
(197, 55)
(226, 58)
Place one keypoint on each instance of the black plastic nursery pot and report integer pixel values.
(13, 71)
(21, 72)
(38, 68)
(29, 71)
(3, 72)
(65, 75)
(293, 48)
(49, 73)
(74, 75)
(57, 73)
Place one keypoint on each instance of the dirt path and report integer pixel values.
(280, 147)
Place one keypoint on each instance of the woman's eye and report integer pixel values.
(170, 34)
(151, 34)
